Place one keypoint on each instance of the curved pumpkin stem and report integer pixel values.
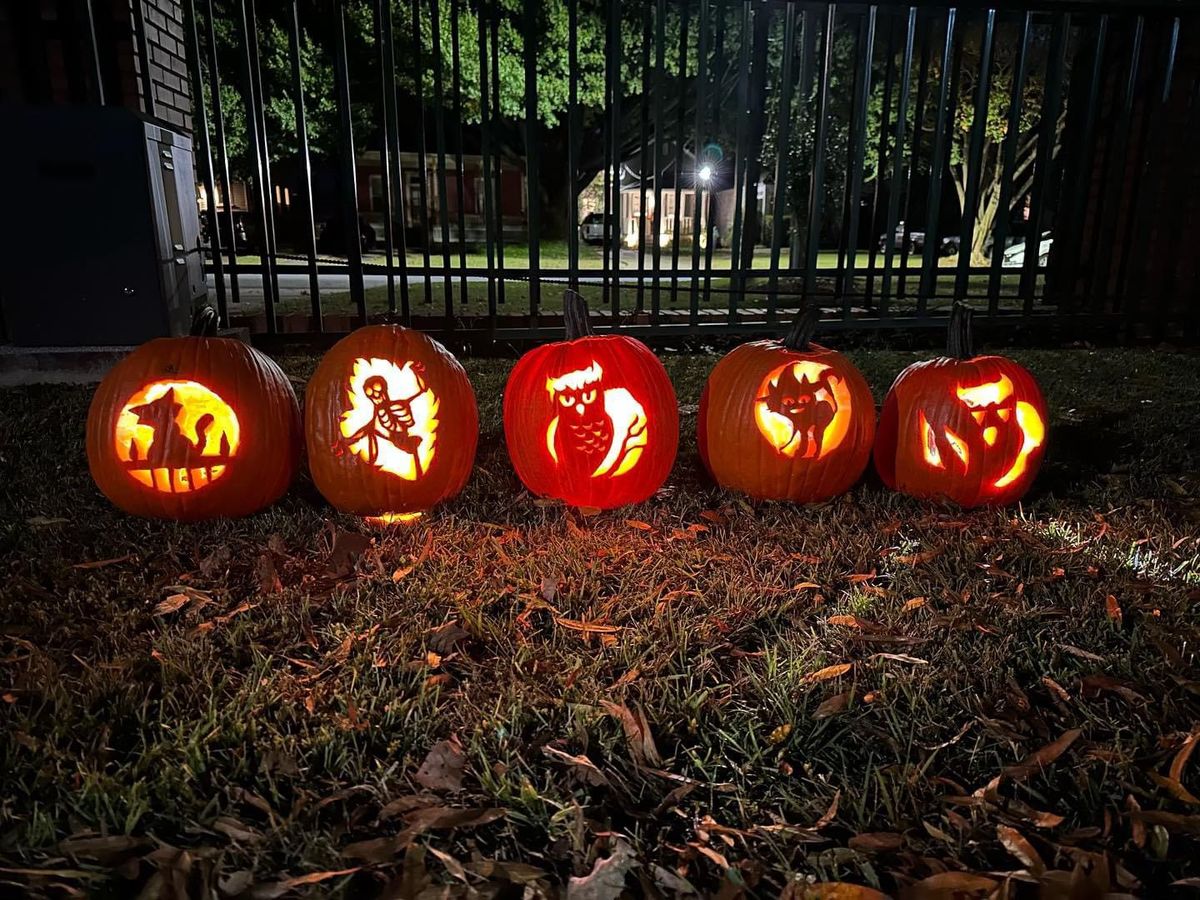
(960, 341)
(799, 336)
(204, 322)
(575, 316)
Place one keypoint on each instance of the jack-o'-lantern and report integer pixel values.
(971, 429)
(591, 420)
(194, 428)
(391, 423)
(786, 420)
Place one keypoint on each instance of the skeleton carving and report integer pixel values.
(392, 432)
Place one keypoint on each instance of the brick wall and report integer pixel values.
(45, 55)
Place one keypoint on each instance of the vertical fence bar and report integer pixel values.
(741, 167)
(385, 152)
(660, 50)
(349, 179)
(206, 166)
(817, 191)
(214, 91)
(710, 242)
(1045, 155)
(491, 238)
(459, 179)
(643, 152)
(697, 181)
(573, 128)
(401, 203)
(885, 127)
(271, 259)
(914, 155)
(1008, 151)
(305, 164)
(680, 131)
(422, 158)
(532, 163)
(261, 177)
(1153, 124)
(143, 50)
(783, 143)
(854, 163)
(966, 235)
(439, 138)
(942, 125)
(614, 137)
(93, 52)
(494, 23)
(897, 182)
(808, 56)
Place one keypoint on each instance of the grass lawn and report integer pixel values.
(697, 695)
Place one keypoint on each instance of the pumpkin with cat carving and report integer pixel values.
(194, 428)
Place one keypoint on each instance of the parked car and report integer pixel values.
(914, 241)
(331, 238)
(594, 228)
(1014, 256)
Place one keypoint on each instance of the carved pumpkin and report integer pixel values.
(968, 428)
(391, 423)
(591, 420)
(194, 428)
(786, 420)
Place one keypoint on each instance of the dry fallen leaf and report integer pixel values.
(829, 890)
(173, 603)
(833, 705)
(443, 767)
(639, 525)
(1113, 608)
(606, 881)
(835, 671)
(1018, 845)
(950, 886)
(1044, 757)
(914, 604)
(877, 842)
(637, 733)
(780, 734)
(279, 888)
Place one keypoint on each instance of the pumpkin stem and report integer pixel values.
(960, 341)
(575, 316)
(800, 334)
(204, 322)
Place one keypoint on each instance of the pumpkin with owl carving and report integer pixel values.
(591, 420)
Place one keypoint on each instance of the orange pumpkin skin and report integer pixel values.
(194, 428)
(591, 421)
(786, 424)
(970, 430)
(390, 423)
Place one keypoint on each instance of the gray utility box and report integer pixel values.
(99, 231)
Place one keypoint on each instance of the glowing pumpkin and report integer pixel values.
(391, 424)
(194, 428)
(786, 420)
(591, 420)
(968, 428)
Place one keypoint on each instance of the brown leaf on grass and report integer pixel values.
(639, 525)
(514, 872)
(1175, 788)
(437, 818)
(825, 674)
(443, 767)
(1113, 609)
(713, 516)
(1137, 828)
(581, 764)
(876, 842)
(833, 705)
(549, 588)
(1082, 654)
(402, 805)
(1018, 845)
(172, 604)
(348, 546)
(915, 559)
(278, 888)
(1094, 685)
(1169, 820)
(710, 854)
(606, 881)
(831, 813)
(1043, 757)
(829, 890)
(847, 621)
(103, 563)
(950, 886)
(589, 512)
(637, 733)
(401, 573)
(914, 604)
(101, 847)
(859, 578)
(1183, 754)
(779, 734)
(267, 575)
(453, 866)
(1056, 689)
(588, 627)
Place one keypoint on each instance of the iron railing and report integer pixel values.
(879, 160)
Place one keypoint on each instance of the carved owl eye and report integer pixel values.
(566, 400)
(589, 396)
(1004, 413)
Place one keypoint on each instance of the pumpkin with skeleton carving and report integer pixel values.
(591, 420)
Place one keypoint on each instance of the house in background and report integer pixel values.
(510, 194)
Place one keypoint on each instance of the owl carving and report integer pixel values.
(596, 430)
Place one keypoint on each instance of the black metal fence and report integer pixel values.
(699, 165)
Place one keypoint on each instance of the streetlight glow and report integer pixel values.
(705, 172)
